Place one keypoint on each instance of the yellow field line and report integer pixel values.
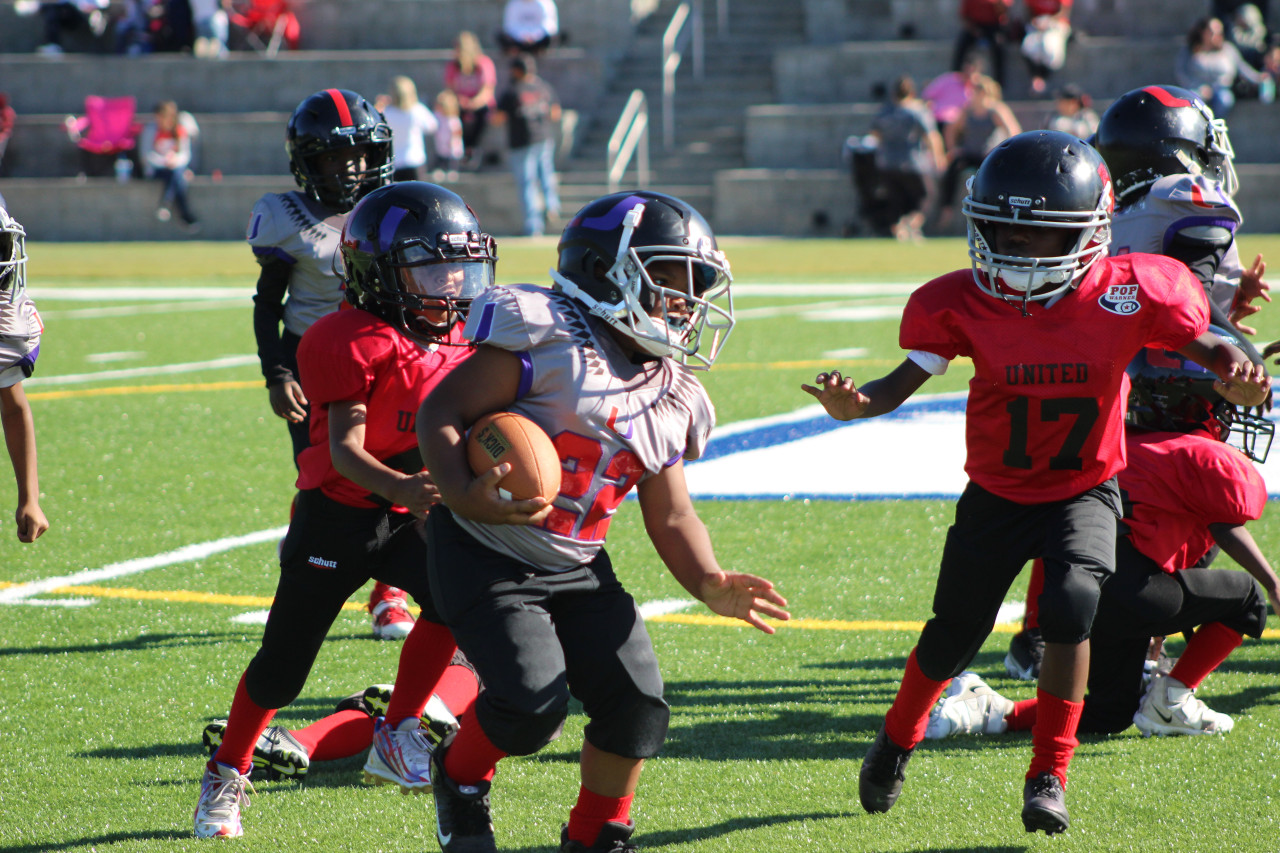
(704, 620)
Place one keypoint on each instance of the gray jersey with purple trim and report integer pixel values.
(1175, 203)
(613, 421)
(20, 330)
(295, 229)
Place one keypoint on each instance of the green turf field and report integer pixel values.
(107, 684)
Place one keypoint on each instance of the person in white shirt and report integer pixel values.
(529, 26)
(411, 122)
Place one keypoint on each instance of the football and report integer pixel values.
(507, 437)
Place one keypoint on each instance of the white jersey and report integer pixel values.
(1176, 203)
(20, 330)
(613, 421)
(292, 228)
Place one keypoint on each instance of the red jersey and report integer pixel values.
(1179, 484)
(1036, 8)
(356, 356)
(1045, 416)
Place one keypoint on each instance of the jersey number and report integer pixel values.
(579, 457)
(1085, 411)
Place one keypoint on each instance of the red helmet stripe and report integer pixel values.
(1166, 97)
(344, 112)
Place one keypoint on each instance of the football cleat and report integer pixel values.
(373, 700)
(969, 706)
(391, 617)
(614, 837)
(463, 821)
(1044, 804)
(884, 769)
(1026, 650)
(221, 793)
(400, 755)
(1171, 708)
(277, 754)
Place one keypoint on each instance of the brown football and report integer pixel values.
(507, 437)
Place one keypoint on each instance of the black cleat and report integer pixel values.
(463, 823)
(1044, 804)
(614, 837)
(276, 754)
(1026, 651)
(884, 769)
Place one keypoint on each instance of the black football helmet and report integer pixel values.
(1155, 131)
(1170, 393)
(336, 120)
(13, 256)
(1050, 180)
(413, 254)
(605, 252)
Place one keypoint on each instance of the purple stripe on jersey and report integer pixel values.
(526, 374)
(1196, 221)
(387, 230)
(613, 218)
(484, 328)
(253, 227)
(674, 459)
(28, 361)
(274, 252)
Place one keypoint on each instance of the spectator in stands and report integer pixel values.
(1210, 66)
(412, 123)
(530, 110)
(985, 122)
(1073, 113)
(7, 118)
(449, 147)
(909, 155)
(1247, 30)
(472, 77)
(983, 22)
(63, 15)
(947, 93)
(211, 22)
(1044, 46)
(529, 26)
(165, 145)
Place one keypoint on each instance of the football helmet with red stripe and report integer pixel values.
(339, 148)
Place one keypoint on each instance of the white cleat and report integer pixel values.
(968, 706)
(1171, 708)
(218, 812)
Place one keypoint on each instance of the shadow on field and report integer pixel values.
(93, 841)
(141, 643)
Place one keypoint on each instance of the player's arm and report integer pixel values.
(1240, 381)
(684, 546)
(287, 399)
(845, 401)
(347, 420)
(1239, 545)
(487, 381)
(20, 440)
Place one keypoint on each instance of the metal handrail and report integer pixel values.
(629, 136)
(671, 59)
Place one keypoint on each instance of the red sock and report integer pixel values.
(593, 811)
(457, 689)
(1035, 586)
(1205, 651)
(1053, 739)
(245, 722)
(908, 717)
(427, 651)
(1023, 716)
(471, 757)
(339, 735)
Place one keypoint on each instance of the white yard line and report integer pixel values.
(135, 372)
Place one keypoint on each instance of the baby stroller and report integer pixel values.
(875, 212)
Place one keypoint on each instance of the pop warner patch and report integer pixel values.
(1120, 299)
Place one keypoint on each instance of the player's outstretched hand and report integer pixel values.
(838, 395)
(744, 597)
(1246, 385)
(482, 502)
(416, 493)
(1251, 287)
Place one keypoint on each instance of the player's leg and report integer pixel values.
(613, 671)
(985, 548)
(389, 612)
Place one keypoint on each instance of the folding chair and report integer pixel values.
(108, 128)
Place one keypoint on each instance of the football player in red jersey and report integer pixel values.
(1050, 326)
(601, 362)
(339, 149)
(1185, 489)
(413, 258)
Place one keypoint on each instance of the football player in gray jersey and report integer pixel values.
(20, 330)
(602, 362)
(339, 149)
